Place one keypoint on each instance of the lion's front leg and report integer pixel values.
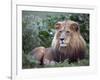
(48, 58)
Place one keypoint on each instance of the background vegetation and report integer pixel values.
(38, 30)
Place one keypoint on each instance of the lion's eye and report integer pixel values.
(67, 31)
(60, 31)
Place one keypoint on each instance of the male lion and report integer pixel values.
(67, 44)
(68, 41)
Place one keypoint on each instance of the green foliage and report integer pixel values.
(45, 38)
(38, 30)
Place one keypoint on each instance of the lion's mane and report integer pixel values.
(76, 47)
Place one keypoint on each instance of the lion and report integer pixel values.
(67, 43)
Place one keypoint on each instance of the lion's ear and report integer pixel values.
(58, 25)
(74, 26)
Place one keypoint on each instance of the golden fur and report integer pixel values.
(37, 54)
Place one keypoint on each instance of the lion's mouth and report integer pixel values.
(63, 45)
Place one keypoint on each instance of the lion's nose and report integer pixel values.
(61, 39)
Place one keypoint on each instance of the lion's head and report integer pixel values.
(68, 40)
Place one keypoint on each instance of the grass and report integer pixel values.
(66, 64)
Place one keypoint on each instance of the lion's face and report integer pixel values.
(65, 31)
(63, 37)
